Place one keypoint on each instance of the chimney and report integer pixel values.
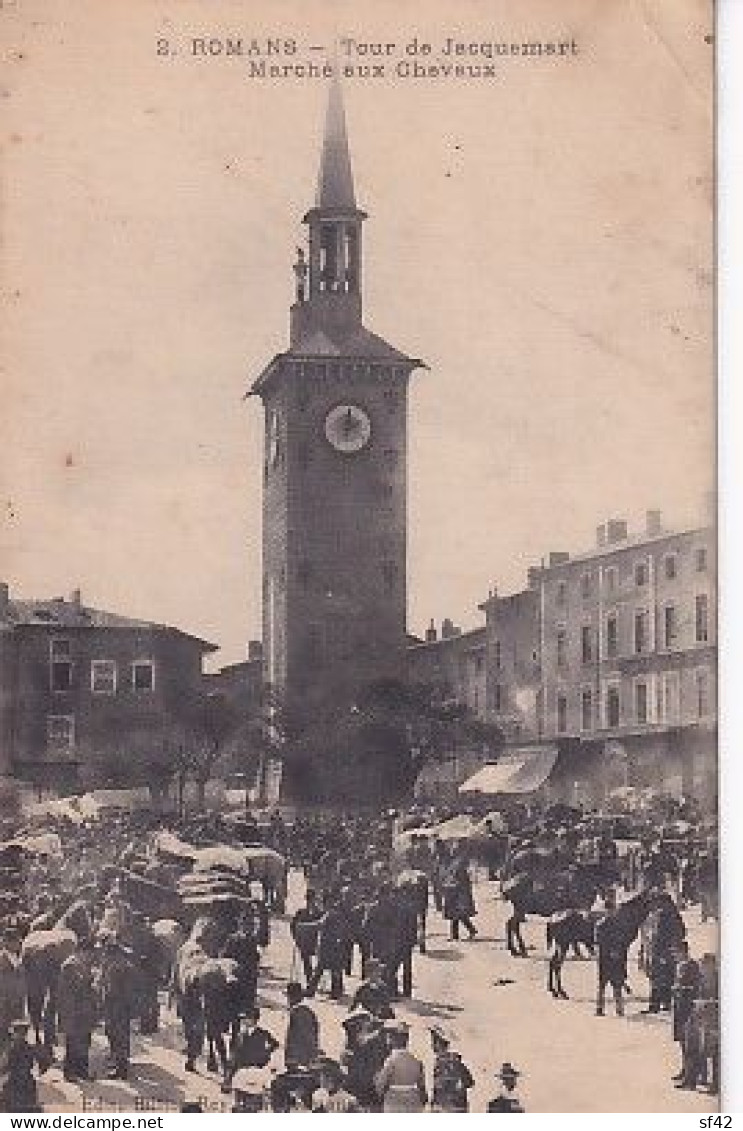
(255, 650)
(558, 557)
(431, 633)
(533, 575)
(616, 531)
(449, 629)
(76, 598)
(601, 535)
(652, 523)
(4, 599)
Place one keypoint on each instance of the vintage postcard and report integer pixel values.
(358, 557)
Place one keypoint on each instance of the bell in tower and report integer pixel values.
(333, 297)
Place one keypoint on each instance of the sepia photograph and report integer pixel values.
(358, 558)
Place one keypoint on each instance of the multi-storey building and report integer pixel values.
(611, 654)
(452, 664)
(85, 695)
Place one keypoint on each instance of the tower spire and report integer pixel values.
(335, 190)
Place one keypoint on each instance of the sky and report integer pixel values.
(542, 238)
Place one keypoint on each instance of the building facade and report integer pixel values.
(86, 695)
(334, 477)
(613, 655)
(452, 663)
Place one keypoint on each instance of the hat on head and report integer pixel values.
(358, 1016)
(438, 1034)
(508, 1072)
(395, 1025)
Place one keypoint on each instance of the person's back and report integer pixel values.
(302, 1036)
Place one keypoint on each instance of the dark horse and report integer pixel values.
(565, 930)
(615, 934)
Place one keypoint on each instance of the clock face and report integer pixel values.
(273, 439)
(348, 428)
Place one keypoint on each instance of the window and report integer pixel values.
(670, 626)
(103, 677)
(586, 644)
(561, 593)
(497, 654)
(642, 624)
(612, 634)
(60, 732)
(585, 585)
(641, 573)
(670, 698)
(670, 567)
(611, 578)
(60, 665)
(702, 618)
(700, 559)
(562, 714)
(586, 709)
(702, 692)
(613, 709)
(478, 663)
(143, 675)
(641, 701)
(561, 640)
(497, 697)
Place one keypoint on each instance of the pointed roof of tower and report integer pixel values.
(335, 191)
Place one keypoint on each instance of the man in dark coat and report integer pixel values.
(242, 947)
(685, 990)
(305, 928)
(77, 1005)
(331, 951)
(117, 986)
(459, 904)
(668, 933)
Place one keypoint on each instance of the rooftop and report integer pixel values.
(71, 613)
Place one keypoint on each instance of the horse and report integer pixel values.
(615, 933)
(567, 929)
(206, 989)
(42, 955)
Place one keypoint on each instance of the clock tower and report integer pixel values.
(334, 472)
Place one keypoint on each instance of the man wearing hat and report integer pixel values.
(363, 1056)
(117, 986)
(401, 1081)
(12, 981)
(452, 1078)
(330, 1096)
(507, 1100)
(373, 993)
(19, 1092)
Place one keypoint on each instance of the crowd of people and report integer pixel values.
(81, 953)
